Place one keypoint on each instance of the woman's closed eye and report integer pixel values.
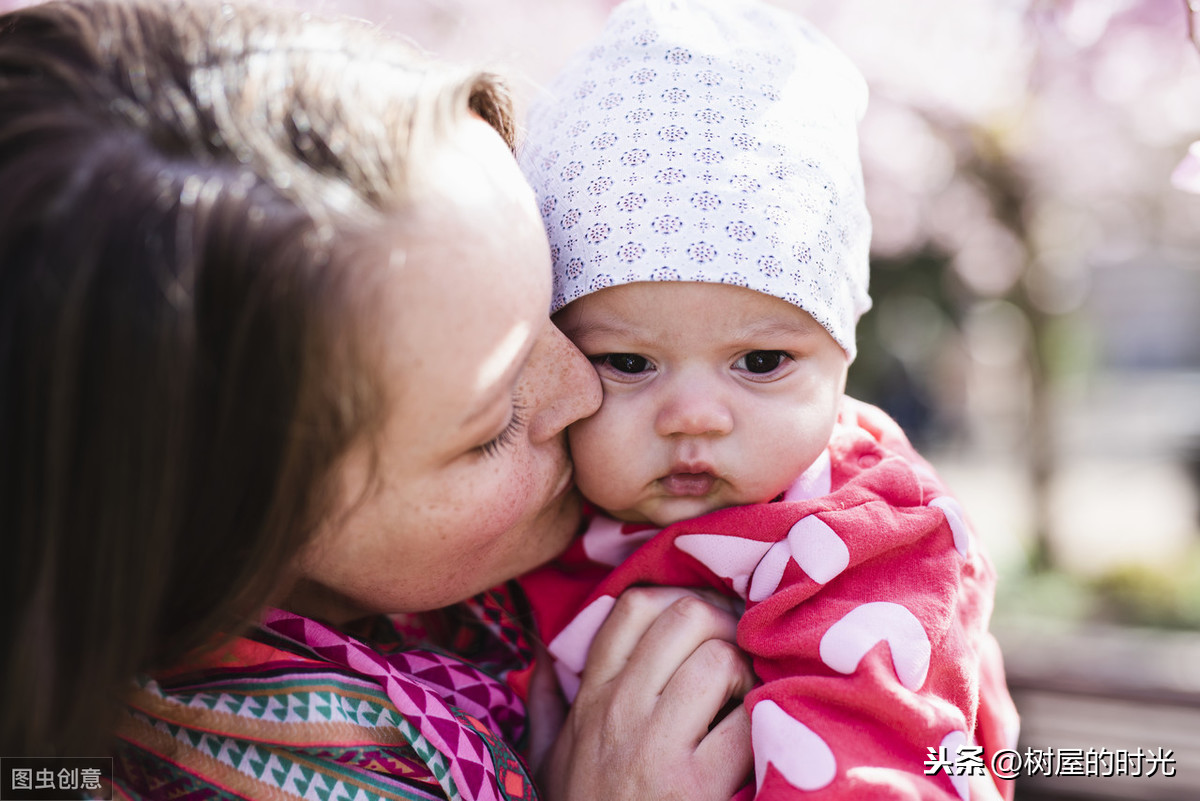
(507, 435)
(762, 363)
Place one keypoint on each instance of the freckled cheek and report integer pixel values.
(516, 499)
(507, 503)
(525, 525)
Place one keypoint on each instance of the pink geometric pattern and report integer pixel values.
(492, 702)
(423, 686)
(494, 610)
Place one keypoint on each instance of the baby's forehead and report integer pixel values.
(703, 310)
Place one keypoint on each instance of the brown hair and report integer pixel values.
(188, 197)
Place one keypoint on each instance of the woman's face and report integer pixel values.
(474, 485)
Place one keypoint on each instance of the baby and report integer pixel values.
(698, 173)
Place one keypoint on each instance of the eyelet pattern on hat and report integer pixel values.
(706, 140)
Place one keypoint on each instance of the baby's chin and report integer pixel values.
(662, 509)
(662, 512)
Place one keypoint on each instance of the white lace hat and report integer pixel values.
(706, 140)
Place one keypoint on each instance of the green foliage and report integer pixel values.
(1048, 594)
(878, 375)
(1165, 597)
(1139, 595)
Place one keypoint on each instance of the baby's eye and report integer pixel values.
(629, 363)
(761, 361)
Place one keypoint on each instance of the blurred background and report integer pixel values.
(1036, 327)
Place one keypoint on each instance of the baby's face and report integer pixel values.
(714, 396)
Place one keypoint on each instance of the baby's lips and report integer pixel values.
(687, 485)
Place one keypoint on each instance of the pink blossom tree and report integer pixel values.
(1012, 148)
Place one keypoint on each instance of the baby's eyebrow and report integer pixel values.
(604, 327)
(774, 326)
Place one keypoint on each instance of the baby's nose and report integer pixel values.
(694, 408)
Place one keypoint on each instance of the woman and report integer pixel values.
(275, 362)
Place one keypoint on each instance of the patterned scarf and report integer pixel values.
(298, 709)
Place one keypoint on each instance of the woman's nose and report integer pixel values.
(562, 387)
(692, 407)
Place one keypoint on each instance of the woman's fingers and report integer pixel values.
(660, 670)
(545, 708)
(723, 758)
(685, 633)
(714, 676)
(650, 632)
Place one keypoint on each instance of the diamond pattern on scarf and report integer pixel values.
(494, 609)
(467, 771)
(474, 692)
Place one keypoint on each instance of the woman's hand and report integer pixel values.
(660, 671)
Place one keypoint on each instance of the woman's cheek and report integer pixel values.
(500, 499)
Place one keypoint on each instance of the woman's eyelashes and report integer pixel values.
(507, 436)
